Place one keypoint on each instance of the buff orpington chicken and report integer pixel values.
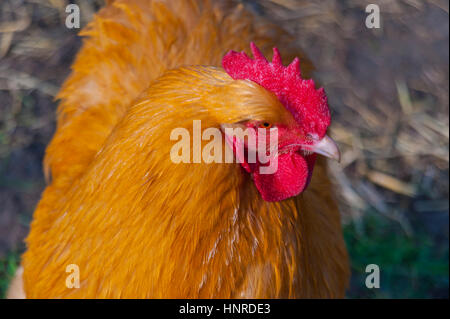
(139, 225)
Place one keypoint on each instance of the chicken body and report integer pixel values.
(140, 226)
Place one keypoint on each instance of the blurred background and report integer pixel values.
(388, 90)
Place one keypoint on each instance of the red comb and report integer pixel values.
(308, 105)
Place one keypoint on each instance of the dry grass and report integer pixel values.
(388, 89)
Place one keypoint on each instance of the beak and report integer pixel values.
(327, 147)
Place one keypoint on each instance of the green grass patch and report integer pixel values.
(8, 267)
(410, 267)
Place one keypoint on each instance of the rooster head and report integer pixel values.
(299, 139)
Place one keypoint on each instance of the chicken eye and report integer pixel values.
(265, 125)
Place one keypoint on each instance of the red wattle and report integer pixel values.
(291, 178)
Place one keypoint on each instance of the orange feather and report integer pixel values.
(140, 226)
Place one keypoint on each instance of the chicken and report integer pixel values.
(138, 225)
